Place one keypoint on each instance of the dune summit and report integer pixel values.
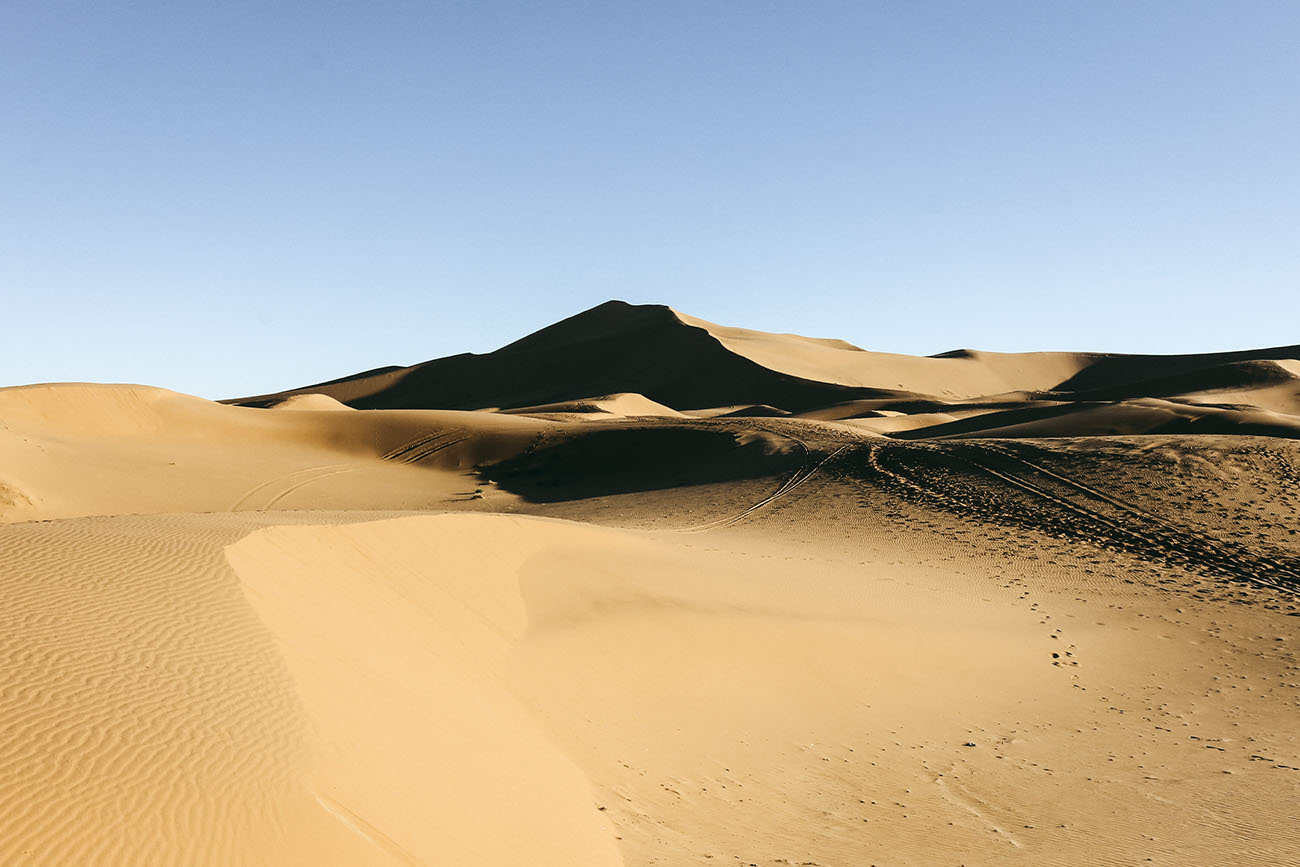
(696, 367)
(638, 589)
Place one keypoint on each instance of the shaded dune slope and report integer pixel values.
(613, 348)
(1086, 418)
(657, 361)
(1114, 371)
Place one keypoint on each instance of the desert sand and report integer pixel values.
(638, 589)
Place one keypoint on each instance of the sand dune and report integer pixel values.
(71, 450)
(614, 348)
(954, 375)
(1127, 417)
(638, 589)
(625, 405)
(401, 662)
(656, 352)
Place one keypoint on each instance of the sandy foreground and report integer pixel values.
(610, 629)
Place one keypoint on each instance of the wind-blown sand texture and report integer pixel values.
(639, 589)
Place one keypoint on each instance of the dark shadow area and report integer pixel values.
(1014, 483)
(1236, 376)
(629, 460)
(1114, 372)
(1086, 419)
(991, 421)
(613, 348)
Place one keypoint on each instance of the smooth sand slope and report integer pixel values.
(776, 609)
(82, 449)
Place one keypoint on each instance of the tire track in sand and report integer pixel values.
(427, 445)
(797, 479)
(413, 451)
(977, 478)
(280, 487)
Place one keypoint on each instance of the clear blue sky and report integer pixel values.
(234, 197)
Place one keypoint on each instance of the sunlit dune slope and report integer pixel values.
(625, 405)
(79, 449)
(831, 685)
(313, 705)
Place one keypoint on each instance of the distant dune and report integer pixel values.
(691, 366)
(638, 589)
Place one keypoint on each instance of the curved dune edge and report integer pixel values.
(397, 635)
(310, 401)
(148, 718)
(152, 717)
(622, 405)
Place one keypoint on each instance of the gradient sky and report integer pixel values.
(237, 197)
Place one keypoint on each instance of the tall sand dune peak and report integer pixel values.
(689, 364)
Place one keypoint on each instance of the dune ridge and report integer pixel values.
(657, 352)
